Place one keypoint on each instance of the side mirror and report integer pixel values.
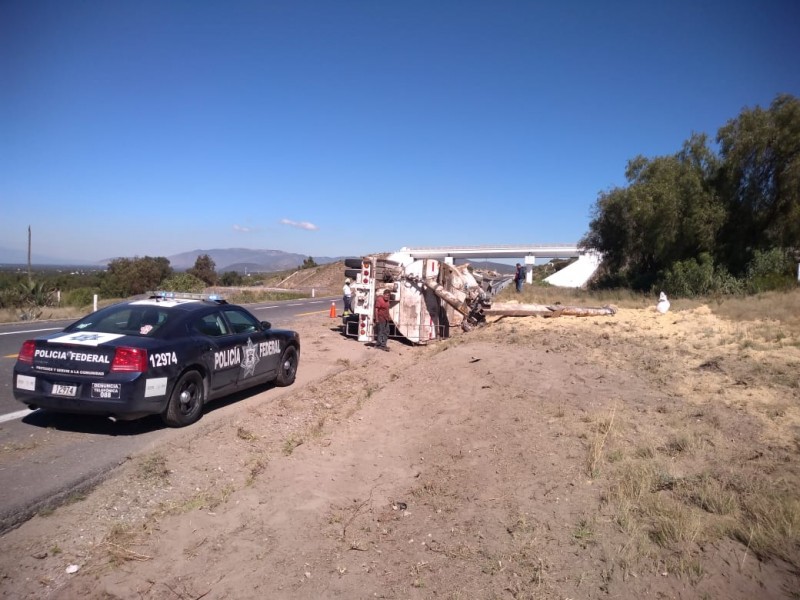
(266, 325)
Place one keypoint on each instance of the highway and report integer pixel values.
(46, 458)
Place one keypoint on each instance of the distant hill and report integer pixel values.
(20, 257)
(245, 260)
(487, 265)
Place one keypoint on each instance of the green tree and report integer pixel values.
(130, 276)
(204, 269)
(230, 278)
(308, 263)
(183, 282)
(669, 212)
(760, 150)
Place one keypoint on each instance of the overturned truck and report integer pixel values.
(429, 297)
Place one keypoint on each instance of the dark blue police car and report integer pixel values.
(168, 354)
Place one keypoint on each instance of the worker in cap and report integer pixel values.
(347, 297)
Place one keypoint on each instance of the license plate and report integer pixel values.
(64, 390)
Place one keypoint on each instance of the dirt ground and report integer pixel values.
(634, 456)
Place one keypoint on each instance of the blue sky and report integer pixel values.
(153, 127)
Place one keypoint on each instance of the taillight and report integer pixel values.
(129, 360)
(26, 352)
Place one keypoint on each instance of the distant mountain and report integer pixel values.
(10, 256)
(487, 265)
(245, 259)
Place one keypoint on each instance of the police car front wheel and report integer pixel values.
(288, 367)
(186, 402)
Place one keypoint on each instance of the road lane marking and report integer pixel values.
(11, 356)
(15, 415)
(316, 312)
(265, 307)
(31, 331)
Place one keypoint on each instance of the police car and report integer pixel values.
(168, 355)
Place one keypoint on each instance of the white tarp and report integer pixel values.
(578, 273)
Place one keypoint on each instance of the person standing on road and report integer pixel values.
(382, 319)
(347, 297)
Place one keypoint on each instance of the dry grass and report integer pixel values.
(119, 544)
(9, 315)
(676, 513)
(154, 468)
(598, 443)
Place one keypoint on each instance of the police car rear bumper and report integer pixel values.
(123, 396)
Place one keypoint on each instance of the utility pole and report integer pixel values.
(29, 254)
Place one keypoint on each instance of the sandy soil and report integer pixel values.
(604, 457)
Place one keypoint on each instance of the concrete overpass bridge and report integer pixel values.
(530, 252)
(575, 275)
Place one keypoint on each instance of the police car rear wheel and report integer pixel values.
(186, 403)
(288, 367)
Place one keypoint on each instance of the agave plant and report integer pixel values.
(34, 296)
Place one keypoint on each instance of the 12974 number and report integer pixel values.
(163, 359)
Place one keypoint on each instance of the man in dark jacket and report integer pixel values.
(519, 277)
(382, 319)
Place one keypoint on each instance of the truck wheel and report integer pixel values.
(352, 263)
(352, 273)
(186, 402)
(287, 370)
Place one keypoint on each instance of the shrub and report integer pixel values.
(79, 297)
(183, 282)
(698, 277)
(770, 270)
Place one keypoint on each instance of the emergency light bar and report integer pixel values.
(164, 295)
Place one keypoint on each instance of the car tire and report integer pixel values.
(287, 369)
(352, 263)
(352, 273)
(186, 401)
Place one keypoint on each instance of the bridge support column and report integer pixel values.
(529, 262)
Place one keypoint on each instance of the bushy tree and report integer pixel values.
(79, 297)
(130, 276)
(698, 277)
(230, 278)
(760, 178)
(204, 269)
(700, 220)
(668, 212)
(770, 270)
(308, 263)
(183, 282)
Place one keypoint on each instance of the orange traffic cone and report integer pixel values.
(333, 310)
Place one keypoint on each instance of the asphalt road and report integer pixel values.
(45, 458)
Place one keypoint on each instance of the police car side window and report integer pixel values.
(211, 325)
(242, 322)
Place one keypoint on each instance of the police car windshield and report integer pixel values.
(125, 320)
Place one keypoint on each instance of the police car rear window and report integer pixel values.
(126, 320)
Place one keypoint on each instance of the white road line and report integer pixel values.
(31, 331)
(15, 415)
(265, 307)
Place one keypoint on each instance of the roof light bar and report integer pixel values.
(184, 296)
